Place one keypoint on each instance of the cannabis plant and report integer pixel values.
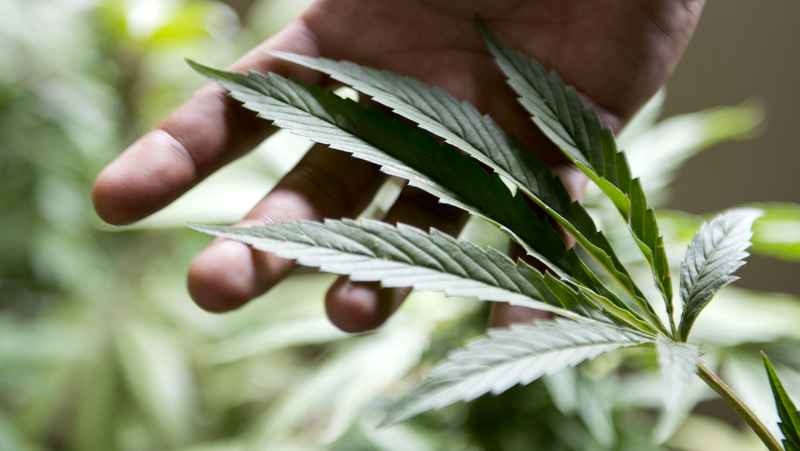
(597, 306)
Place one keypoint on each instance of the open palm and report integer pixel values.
(616, 53)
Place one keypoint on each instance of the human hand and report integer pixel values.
(616, 54)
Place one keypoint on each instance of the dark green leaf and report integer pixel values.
(400, 150)
(559, 112)
(787, 411)
(416, 156)
(461, 125)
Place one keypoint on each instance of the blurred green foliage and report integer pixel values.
(101, 348)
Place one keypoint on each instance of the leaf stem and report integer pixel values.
(673, 328)
(738, 405)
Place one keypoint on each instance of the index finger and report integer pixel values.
(202, 135)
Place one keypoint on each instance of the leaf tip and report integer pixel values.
(204, 228)
(203, 69)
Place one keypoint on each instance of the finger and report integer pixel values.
(324, 184)
(363, 306)
(202, 135)
(504, 315)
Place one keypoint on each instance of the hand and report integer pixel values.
(616, 54)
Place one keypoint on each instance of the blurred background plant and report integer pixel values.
(101, 348)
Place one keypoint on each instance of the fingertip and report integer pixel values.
(111, 197)
(228, 274)
(356, 307)
(146, 177)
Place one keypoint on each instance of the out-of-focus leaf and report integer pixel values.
(563, 390)
(739, 316)
(11, 437)
(159, 377)
(343, 385)
(93, 422)
(787, 411)
(403, 437)
(777, 233)
(678, 364)
(286, 333)
(643, 121)
(596, 411)
(744, 374)
(656, 154)
(717, 251)
(705, 433)
(187, 22)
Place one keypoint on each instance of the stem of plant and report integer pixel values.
(734, 401)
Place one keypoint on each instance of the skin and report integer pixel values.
(616, 53)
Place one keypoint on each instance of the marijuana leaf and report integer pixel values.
(788, 413)
(415, 156)
(399, 150)
(559, 112)
(518, 355)
(407, 256)
(715, 253)
(461, 125)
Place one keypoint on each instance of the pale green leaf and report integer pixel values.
(559, 112)
(678, 364)
(283, 334)
(406, 256)
(344, 383)
(11, 435)
(508, 357)
(461, 125)
(716, 252)
(159, 376)
(597, 410)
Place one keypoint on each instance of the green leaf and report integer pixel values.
(518, 355)
(787, 411)
(399, 150)
(678, 364)
(417, 157)
(406, 256)
(559, 112)
(461, 125)
(716, 252)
